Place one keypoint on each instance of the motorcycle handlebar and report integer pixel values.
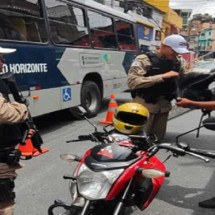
(180, 151)
(94, 137)
(176, 150)
(198, 156)
(85, 137)
(81, 138)
(203, 152)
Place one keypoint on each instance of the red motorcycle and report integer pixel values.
(118, 173)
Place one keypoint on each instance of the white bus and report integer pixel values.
(69, 52)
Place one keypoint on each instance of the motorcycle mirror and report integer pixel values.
(152, 173)
(82, 110)
(69, 157)
(209, 123)
(78, 111)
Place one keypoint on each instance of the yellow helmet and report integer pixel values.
(129, 118)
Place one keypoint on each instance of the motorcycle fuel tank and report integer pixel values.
(112, 153)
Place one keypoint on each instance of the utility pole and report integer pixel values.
(198, 44)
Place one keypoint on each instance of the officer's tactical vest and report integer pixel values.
(167, 88)
(10, 135)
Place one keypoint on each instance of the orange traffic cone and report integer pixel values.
(28, 149)
(110, 112)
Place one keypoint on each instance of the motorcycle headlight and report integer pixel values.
(95, 185)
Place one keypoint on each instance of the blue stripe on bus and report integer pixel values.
(35, 66)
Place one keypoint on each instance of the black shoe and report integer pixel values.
(209, 203)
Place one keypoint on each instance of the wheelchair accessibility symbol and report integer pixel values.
(67, 94)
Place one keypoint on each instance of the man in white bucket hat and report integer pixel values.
(11, 114)
(151, 80)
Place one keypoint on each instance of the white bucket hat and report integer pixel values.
(177, 43)
(6, 50)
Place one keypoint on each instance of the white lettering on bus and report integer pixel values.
(4, 69)
(27, 68)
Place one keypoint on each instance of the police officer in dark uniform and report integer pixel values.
(11, 114)
(152, 80)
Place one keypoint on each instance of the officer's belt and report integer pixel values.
(152, 99)
(10, 156)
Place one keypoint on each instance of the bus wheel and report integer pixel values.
(91, 98)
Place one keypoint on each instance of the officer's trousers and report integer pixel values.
(157, 124)
(8, 171)
(7, 208)
(159, 112)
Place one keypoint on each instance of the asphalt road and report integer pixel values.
(40, 182)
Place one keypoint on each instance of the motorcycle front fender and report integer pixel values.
(73, 209)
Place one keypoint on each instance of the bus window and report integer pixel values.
(20, 26)
(125, 35)
(67, 24)
(21, 20)
(7, 31)
(102, 31)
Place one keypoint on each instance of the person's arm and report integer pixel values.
(137, 74)
(208, 105)
(12, 113)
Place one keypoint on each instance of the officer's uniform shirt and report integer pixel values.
(136, 76)
(11, 113)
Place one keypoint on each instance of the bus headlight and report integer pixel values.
(96, 185)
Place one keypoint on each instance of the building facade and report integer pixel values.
(172, 22)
